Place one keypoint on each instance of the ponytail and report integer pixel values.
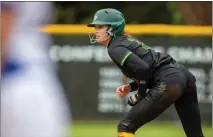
(129, 36)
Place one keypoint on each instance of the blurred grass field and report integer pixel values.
(109, 129)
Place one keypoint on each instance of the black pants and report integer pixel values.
(174, 85)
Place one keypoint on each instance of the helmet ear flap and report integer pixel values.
(111, 31)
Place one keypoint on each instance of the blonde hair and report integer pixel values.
(129, 36)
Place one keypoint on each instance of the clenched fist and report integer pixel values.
(123, 90)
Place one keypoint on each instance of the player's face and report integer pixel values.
(100, 30)
(100, 33)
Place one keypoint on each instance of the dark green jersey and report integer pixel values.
(135, 59)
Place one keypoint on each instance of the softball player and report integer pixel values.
(167, 81)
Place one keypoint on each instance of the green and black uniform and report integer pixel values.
(168, 83)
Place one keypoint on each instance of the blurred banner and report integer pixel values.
(90, 78)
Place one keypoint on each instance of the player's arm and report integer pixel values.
(121, 55)
(6, 21)
(134, 86)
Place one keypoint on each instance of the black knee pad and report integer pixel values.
(125, 126)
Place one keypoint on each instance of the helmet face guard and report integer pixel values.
(111, 17)
(108, 34)
(93, 39)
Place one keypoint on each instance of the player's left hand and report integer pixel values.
(123, 90)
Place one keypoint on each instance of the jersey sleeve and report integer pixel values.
(124, 57)
(119, 54)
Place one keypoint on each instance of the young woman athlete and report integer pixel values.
(167, 81)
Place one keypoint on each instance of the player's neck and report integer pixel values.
(107, 42)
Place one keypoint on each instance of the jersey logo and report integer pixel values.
(146, 47)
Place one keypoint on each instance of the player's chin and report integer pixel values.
(99, 41)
